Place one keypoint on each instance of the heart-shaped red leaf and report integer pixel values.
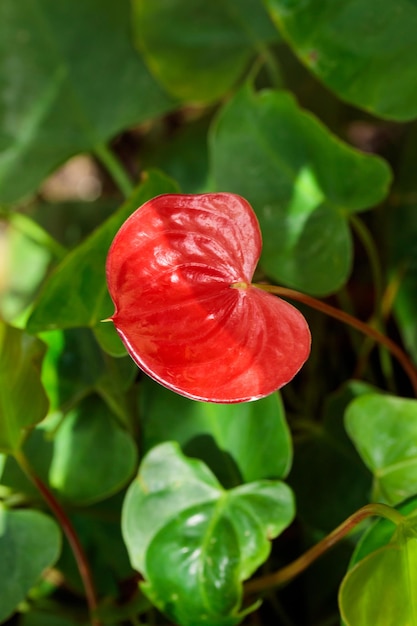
(179, 272)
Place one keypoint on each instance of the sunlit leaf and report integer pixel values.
(194, 542)
(302, 181)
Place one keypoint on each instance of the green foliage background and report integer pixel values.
(307, 108)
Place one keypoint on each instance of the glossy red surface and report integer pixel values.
(172, 271)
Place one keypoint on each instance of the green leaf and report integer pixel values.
(92, 456)
(82, 273)
(29, 543)
(84, 456)
(389, 572)
(68, 58)
(247, 441)
(384, 431)
(193, 541)
(302, 181)
(361, 49)
(23, 401)
(198, 50)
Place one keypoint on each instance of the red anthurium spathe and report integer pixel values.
(179, 272)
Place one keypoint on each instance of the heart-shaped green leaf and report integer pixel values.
(364, 50)
(82, 272)
(302, 181)
(23, 401)
(193, 541)
(198, 49)
(57, 62)
(384, 431)
(30, 542)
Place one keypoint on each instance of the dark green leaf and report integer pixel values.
(82, 273)
(193, 541)
(58, 62)
(199, 49)
(248, 441)
(302, 181)
(84, 457)
(23, 401)
(364, 50)
(384, 431)
(29, 543)
(92, 456)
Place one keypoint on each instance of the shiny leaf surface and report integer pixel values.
(195, 542)
(179, 273)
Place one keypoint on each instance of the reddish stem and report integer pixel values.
(287, 573)
(344, 317)
(71, 535)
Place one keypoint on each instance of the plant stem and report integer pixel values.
(70, 533)
(287, 573)
(346, 318)
(115, 169)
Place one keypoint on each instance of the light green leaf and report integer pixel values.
(30, 542)
(193, 541)
(57, 62)
(247, 441)
(302, 181)
(364, 50)
(23, 401)
(199, 49)
(82, 272)
(388, 573)
(384, 431)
